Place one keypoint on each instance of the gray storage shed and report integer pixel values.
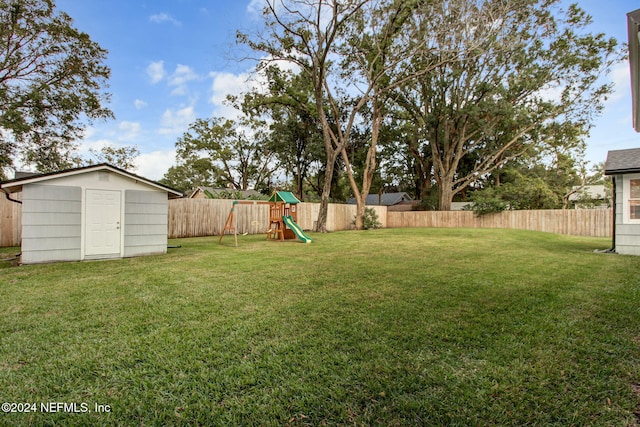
(93, 212)
(624, 167)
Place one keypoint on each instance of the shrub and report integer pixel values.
(370, 219)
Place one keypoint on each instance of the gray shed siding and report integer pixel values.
(145, 222)
(51, 223)
(627, 235)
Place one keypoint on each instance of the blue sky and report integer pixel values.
(173, 61)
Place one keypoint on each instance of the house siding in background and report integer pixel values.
(624, 167)
(627, 235)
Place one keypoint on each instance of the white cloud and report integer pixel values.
(88, 132)
(155, 164)
(620, 76)
(176, 122)
(229, 84)
(180, 77)
(151, 164)
(156, 71)
(161, 18)
(96, 145)
(130, 130)
(139, 104)
(255, 7)
(125, 133)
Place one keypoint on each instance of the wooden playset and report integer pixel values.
(283, 217)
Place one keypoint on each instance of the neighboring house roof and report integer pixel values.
(15, 185)
(622, 161)
(284, 196)
(595, 192)
(386, 199)
(214, 191)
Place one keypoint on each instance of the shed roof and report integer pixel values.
(15, 185)
(622, 161)
(284, 196)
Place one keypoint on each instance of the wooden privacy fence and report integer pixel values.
(206, 217)
(575, 222)
(10, 220)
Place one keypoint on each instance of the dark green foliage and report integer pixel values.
(52, 78)
(227, 152)
(493, 103)
(232, 195)
(295, 136)
(487, 201)
(370, 220)
(191, 173)
(523, 193)
(122, 157)
(528, 185)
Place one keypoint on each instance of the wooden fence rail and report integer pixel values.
(205, 217)
(576, 222)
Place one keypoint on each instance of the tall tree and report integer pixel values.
(527, 76)
(52, 76)
(123, 157)
(237, 151)
(352, 52)
(191, 173)
(308, 33)
(380, 40)
(295, 134)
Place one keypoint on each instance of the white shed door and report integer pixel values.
(102, 219)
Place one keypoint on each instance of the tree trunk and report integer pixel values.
(445, 193)
(360, 208)
(298, 179)
(369, 167)
(321, 222)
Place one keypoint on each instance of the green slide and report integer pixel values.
(296, 229)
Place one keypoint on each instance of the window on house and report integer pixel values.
(634, 199)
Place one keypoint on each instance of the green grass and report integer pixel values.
(384, 327)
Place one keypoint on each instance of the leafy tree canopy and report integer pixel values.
(52, 78)
(233, 154)
(123, 157)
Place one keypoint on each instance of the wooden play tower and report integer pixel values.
(282, 205)
(283, 217)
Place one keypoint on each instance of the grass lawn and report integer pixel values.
(384, 327)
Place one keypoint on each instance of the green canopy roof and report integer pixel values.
(284, 196)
